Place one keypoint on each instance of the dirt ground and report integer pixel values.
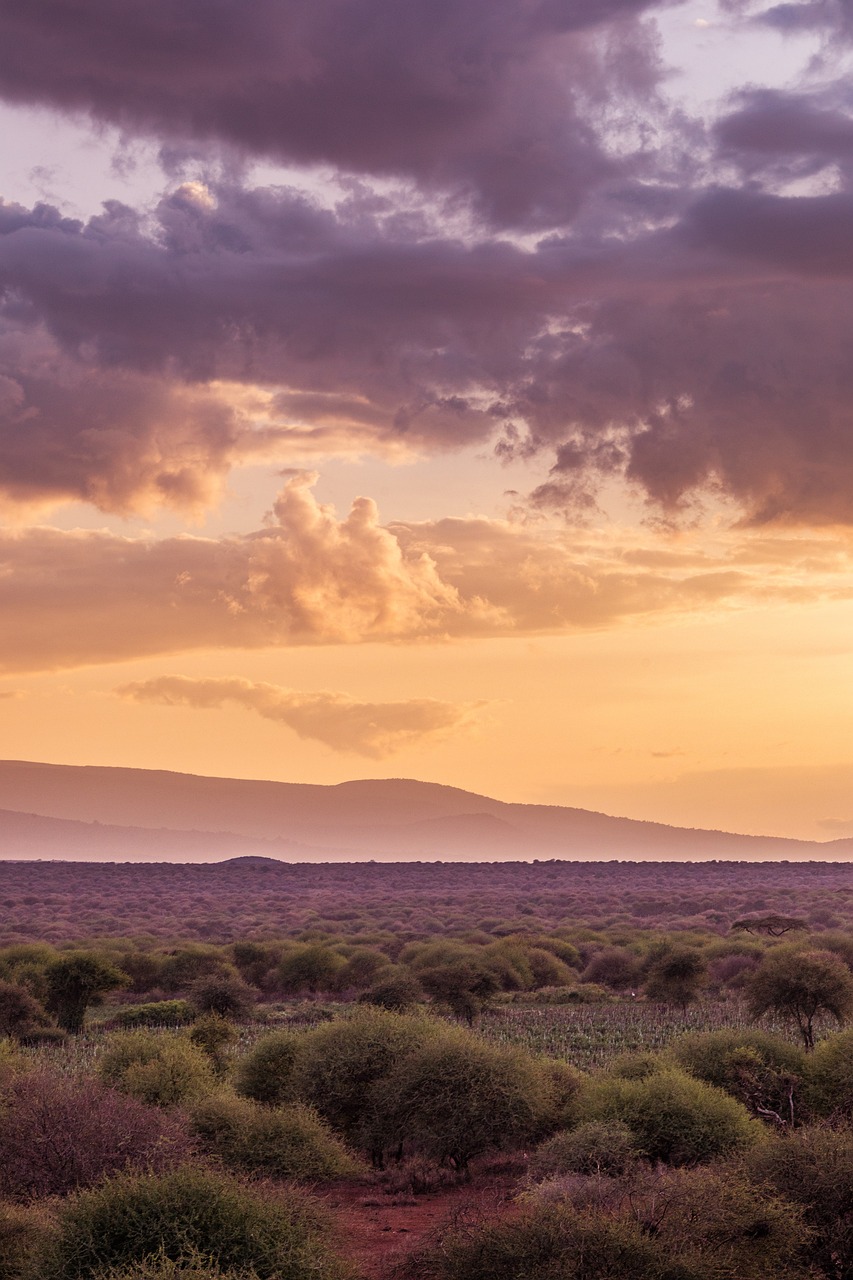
(375, 1229)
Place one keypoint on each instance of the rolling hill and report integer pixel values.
(116, 814)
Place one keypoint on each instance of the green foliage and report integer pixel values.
(676, 976)
(163, 1070)
(20, 1012)
(186, 964)
(286, 1142)
(463, 988)
(224, 994)
(339, 1064)
(456, 1097)
(159, 1013)
(761, 1070)
(672, 1116)
(813, 1169)
(597, 1147)
(309, 967)
(545, 1242)
(214, 1035)
(267, 1073)
(75, 981)
(396, 988)
(616, 968)
(195, 1266)
(178, 1216)
(830, 1085)
(800, 985)
(24, 1235)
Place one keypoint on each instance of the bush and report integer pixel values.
(800, 986)
(761, 1070)
(74, 982)
(159, 1013)
(288, 1142)
(213, 1034)
(182, 1215)
(672, 1116)
(614, 967)
(562, 1089)
(544, 1242)
(396, 989)
(597, 1147)
(20, 1012)
(813, 1168)
(339, 1063)
(24, 1235)
(163, 1070)
(59, 1134)
(225, 994)
(197, 1266)
(456, 1097)
(830, 1085)
(267, 1073)
(309, 967)
(548, 970)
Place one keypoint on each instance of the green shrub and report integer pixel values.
(545, 1242)
(267, 1073)
(813, 1168)
(396, 988)
(339, 1063)
(562, 1084)
(456, 1097)
(176, 1217)
(287, 1142)
(224, 994)
(597, 1147)
(164, 1070)
(762, 1071)
(830, 1084)
(75, 981)
(159, 1013)
(214, 1035)
(24, 1236)
(672, 1116)
(196, 1266)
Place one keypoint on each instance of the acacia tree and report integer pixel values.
(676, 976)
(801, 985)
(74, 982)
(774, 926)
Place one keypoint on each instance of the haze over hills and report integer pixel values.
(119, 814)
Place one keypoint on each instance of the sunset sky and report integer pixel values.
(449, 389)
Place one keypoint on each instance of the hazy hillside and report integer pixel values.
(149, 814)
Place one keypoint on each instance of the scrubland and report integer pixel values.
(547, 1072)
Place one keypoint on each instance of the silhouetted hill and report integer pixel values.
(60, 811)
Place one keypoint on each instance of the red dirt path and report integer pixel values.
(376, 1230)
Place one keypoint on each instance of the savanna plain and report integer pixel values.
(256, 1070)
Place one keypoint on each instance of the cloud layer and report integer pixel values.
(373, 729)
(74, 598)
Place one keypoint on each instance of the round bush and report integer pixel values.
(181, 1215)
(288, 1142)
(762, 1071)
(24, 1235)
(160, 1013)
(672, 1116)
(267, 1073)
(597, 1147)
(162, 1070)
(830, 1085)
(457, 1097)
(224, 994)
(58, 1134)
(340, 1062)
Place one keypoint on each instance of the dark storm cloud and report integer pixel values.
(770, 127)
(475, 96)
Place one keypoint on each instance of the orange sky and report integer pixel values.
(469, 401)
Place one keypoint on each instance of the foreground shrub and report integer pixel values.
(800, 986)
(267, 1073)
(214, 1035)
(162, 1070)
(830, 1086)
(289, 1142)
(456, 1097)
(545, 1242)
(58, 1134)
(762, 1071)
(197, 1267)
(182, 1215)
(159, 1013)
(339, 1064)
(20, 1012)
(597, 1147)
(225, 994)
(813, 1168)
(672, 1116)
(24, 1236)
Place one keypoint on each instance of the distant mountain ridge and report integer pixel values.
(119, 814)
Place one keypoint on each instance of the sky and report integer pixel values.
(457, 389)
